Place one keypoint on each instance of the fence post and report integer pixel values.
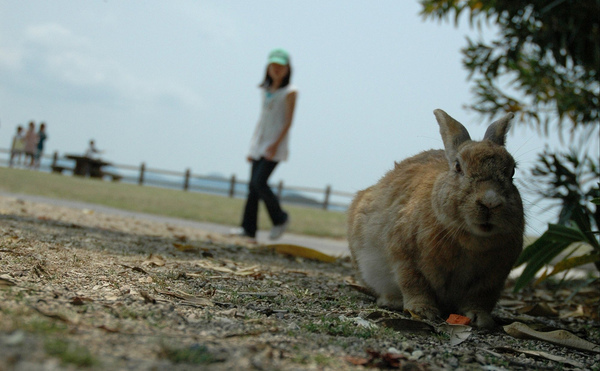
(142, 171)
(186, 182)
(327, 193)
(280, 189)
(54, 159)
(232, 187)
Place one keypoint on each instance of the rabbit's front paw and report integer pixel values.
(481, 318)
(423, 311)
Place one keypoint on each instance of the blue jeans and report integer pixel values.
(258, 189)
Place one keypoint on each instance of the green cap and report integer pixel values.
(279, 56)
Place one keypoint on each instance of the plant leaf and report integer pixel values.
(563, 233)
(575, 261)
(555, 233)
(555, 240)
(547, 250)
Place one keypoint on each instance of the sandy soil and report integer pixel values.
(80, 289)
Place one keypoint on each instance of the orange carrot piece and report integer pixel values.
(457, 319)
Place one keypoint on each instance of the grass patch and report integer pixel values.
(70, 353)
(160, 201)
(338, 327)
(38, 325)
(195, 355)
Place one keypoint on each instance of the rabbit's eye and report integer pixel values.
(457, 167)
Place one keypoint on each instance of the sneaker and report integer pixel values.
(240, 232)
(279, 230)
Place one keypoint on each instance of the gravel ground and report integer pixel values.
(82, 289)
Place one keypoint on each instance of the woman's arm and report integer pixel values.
(290, 102)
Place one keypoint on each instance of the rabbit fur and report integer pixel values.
(440, 232)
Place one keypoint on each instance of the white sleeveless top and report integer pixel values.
(270, 125)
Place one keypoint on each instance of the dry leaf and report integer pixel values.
(137, 269)
(360, 322)
(185, 247)
(193, 275)
(108, 329)
(180, 237)
(303, 252)
(6, 281)
(357, 361)
(588, 291)
(458, 333)
(57, 316)
(260, 294)
(360, 288)
(222, 269)
(208, 265)
(80, 300)
(580, 312)
(559, 337)
(247, 271)
(196, 300)
(156, 260)
(229, 312)
(413, 315)
(539, 310)
(510, 303)
(147, 297)
(298, 271)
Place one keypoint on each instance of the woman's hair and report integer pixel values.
(268, 81)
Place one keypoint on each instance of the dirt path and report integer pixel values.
(85, 289)
(329, 246)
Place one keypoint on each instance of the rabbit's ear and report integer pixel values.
(453, 133)
(496, 132)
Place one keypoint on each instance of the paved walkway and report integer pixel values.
(325, 245)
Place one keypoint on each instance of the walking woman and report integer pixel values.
(269, 144)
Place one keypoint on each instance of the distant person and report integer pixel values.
(40, 144)
(269, 145)
(31, 141)
(92, 151)
(18, 147)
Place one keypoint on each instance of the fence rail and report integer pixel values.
(326, 198)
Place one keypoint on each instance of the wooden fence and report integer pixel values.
(326, 198)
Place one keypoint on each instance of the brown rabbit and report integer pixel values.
(440, 232)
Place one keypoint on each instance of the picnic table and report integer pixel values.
(88, 166)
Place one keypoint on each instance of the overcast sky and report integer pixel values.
(174, 83)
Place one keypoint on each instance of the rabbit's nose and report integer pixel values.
(491, 199)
